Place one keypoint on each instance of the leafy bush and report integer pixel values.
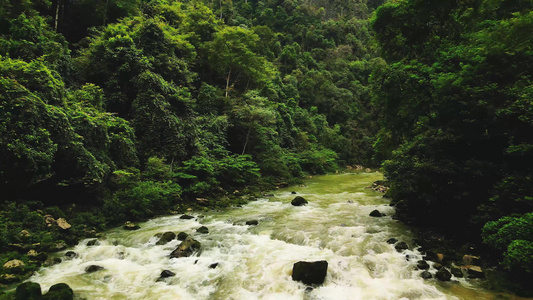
(513, 236)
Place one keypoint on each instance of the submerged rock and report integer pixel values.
(93, 268)
(299, 201)
(71, 254)
(443, 275)
(166, 274)
(392, 241)
(456, 272)
(310, 272)
(401, 246)
(186, 248)
(93, 242)
(186, 217)
(422, 265)
(130, 226)
(60, 291)
(28, 291)
(252, 222)
(52, 261)
(182, 236)
(166, 237)
(203, 230)
(213, 266)
(426, 275)
(376, 213)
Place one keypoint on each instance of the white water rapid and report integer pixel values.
(255, 262)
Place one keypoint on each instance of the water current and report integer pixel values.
(255, 262)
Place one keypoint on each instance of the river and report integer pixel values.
(255, 262)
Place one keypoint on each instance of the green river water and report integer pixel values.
(255, 262)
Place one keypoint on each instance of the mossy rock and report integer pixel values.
(28, 291)
(60, 291)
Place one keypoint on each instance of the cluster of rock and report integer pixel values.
(442, 264)
(32, 291)
(379, 186)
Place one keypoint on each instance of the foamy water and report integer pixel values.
(255, 262)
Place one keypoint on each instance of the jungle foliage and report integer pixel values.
(456, 128)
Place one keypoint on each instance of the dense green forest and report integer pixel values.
(123, 110)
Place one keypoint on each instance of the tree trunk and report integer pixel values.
(246, 141)
(56, 19)
(227, 82)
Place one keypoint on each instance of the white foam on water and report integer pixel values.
(255, 262)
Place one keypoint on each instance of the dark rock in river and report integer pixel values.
(166, 274)
(293, 193)
(443, 275)
(182, 236)
(310, 272)
(457, 272)
(213, 266)
(401, 246)
(130, 226)
(93, 242)
(252, 222)
(376, 213)
(28, 291)
(186, 248)
(60, 291)
(299, 201)
(474, 272)
(52, 261)
(71, 254)
(426, 275)
(93, 268)
(186, 217)
(392, 240)
(422, 265)
(203, 230)
(166, 237)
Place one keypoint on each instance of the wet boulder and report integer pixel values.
(182, 236)
(443, 275)
(71, 254)
(375, 213)
(186, 248)
(422, 265)
(93, 268)
(252, 222)
(166, 237)
(456, 272)
(213, 266)
(60, 291)
(28, 291)
(93, 242)
(52, 261)
(392, 241)
(299, 201)
(310, 272)
(426, 275)
(401, 246)
(203, 230)
(186, 217)
(130, 226)
(166, 274)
